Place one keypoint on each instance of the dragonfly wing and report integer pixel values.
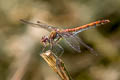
(72, 42)
(85, 45)
(61, 50)
(39, 24)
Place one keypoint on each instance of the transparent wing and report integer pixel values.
(39, 24)
(86, 46)
(61, 50)
(57, 48)
(72, 41)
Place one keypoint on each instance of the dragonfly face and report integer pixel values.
(45, 40)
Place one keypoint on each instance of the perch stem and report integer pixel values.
(56, 64)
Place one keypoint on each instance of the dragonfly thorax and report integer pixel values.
(53, 37)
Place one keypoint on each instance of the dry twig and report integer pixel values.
(59, 68)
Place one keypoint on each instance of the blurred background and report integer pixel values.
(20, 43)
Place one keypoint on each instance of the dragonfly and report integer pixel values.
(69, 35)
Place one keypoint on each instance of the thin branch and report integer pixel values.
(56, 64)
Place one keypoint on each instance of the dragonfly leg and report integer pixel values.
(62, 50)
(58, 63)
(51, 46)
(44, 48)
(57, 58)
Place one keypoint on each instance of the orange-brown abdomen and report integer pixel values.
(93, 24)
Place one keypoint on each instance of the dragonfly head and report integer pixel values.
(44, 40)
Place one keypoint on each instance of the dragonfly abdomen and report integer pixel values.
(87, 26)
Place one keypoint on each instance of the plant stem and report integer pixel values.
(56, 64)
